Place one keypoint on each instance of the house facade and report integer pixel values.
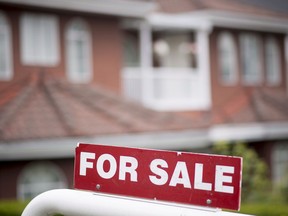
(157, 74)
(222, 63)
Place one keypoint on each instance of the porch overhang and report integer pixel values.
(64, 147)
(169, 140)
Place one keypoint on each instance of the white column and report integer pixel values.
(146, 62)
(203, 54)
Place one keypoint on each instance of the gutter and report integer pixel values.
(187, 140)
(238, 20)
(249, 132)
(208, 19)
(64, 147)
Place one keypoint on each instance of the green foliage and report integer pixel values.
(255, 182)
(265, 209)
(282, 188)
(14, 208)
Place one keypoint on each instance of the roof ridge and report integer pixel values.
(15, 105)
(16, 86)
(138, 111)
(224, 108)
(255, 107)
(276, 104)
(48, 92)
(93, 106)
(125, 120)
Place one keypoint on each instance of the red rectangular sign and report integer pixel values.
(198, 179)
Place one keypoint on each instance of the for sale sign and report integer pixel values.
(198, 179)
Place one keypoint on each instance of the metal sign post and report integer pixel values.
(75, 203)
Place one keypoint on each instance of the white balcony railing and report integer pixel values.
(165, 88)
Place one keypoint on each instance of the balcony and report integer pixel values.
(166, 89)
(167, 70)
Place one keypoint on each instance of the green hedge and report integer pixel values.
(265, 209)
(13, 208)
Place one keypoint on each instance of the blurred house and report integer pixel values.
(165, 74)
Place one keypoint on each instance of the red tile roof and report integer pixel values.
(43, 107)
(261, 105)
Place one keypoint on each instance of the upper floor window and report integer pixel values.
(5, 49)
(227, 58)
(251, 50)
(39, 177)
(131, 48)
(78, 51)
(39, 39)
(272, 60)
(175, 50)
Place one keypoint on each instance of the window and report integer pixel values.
(78, 51)
(174, 50)
(39, 39)
(251, 58)
(280, 164)
(131, 48)
(39, 177)
(227, 58)
(5, 49)
(272, 61)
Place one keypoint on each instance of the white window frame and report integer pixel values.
(73, 36)
(251, 58)
(39, 39)
(39, 184)
(272, 60)
(5, 34)
(227, 58)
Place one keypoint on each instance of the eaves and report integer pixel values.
(168, 140)
(208, 19)
(126, 8)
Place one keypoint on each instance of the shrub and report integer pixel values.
(265, 209)
(14, 208)
(256, 186)
(11, 207)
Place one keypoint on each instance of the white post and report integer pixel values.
(75, 203)
(146, 61)
(203, 54)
